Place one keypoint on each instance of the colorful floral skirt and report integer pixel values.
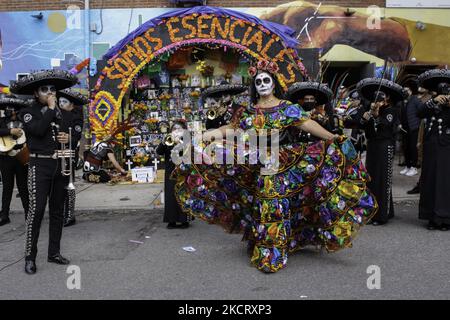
(318, 196)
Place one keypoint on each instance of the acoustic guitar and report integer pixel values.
(15, 146)
(7, 143)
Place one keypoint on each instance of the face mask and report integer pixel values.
(264, 84)
(443, 88)
(309, 105)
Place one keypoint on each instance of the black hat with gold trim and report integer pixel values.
(224, 88)
(61, 79)
(369, 88)
(13, 102)
(73, 96)
(432, 78)
(299, 90)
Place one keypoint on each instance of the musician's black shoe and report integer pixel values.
(171, 225)
(378, 223)
(414, 190)
(184, 225)
(432, 226)
(444, 227)
(58, 259)
(30, 267)
(70, 222)
(4, 220)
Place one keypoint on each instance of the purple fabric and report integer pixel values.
(188, 1)
(284, 32)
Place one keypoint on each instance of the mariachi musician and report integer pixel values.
(71, 103)
(93, 170)
(380, 123)
(46, 136)
(12, 147)
(351, 120)
(434, 205)
(315, 98)
(221, 106)
(172, 211)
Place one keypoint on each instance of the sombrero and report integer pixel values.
(14, 102)
(59, 78)
(367, 88)
(75, 97)
(320, 91)
(431, 78)
(354, 94)
(222, 89)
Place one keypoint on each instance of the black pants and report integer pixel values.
(11, 168)
(45, 182)
(411, 153)
(379, 164)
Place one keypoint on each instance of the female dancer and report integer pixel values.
(316, 196)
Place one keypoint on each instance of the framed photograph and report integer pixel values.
(135, 141)
(154, 114)
(196, 80)
(175, 82)
(151, 94)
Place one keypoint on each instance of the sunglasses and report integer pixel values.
(46, 89)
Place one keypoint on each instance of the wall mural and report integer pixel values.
(58, 40)
(29, 43)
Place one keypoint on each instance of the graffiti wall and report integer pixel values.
(60, 39)
(29, 42)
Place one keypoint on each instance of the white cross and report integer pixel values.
(129, 163)
(156, 161)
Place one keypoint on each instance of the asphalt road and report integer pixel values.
(414, 263)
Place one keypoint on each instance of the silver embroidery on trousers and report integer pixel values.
(389, 178)
(69, 205)
(32, 209)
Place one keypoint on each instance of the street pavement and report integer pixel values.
(128, 253)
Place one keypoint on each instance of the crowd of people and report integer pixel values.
(290, 209)
(321, 193)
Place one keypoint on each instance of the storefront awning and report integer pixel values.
(344, 53)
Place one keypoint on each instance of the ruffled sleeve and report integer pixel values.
(294, 114)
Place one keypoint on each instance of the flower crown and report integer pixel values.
(263, 65)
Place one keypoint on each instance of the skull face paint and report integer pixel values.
(65, 104)
(44, 92)
(264, 84)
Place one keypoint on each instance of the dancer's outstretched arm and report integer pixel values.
(317, 130)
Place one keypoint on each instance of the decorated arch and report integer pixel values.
(249, 35)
